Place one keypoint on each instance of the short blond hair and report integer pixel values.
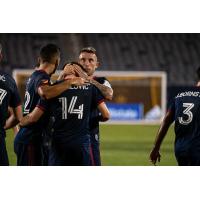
(89, 50)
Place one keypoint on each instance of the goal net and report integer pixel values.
(139, 97)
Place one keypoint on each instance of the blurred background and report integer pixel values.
(177, 54)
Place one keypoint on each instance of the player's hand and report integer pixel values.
(69, 70)
(154, 156)
(72, 69)
(78, 81)
(62, 75)
(79, 71)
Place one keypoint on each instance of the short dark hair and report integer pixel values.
(49, 52)
(89, 50)
(73, 63)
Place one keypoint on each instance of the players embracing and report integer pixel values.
(89, 61)
(76, 111)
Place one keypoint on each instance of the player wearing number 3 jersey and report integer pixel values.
(185, 111)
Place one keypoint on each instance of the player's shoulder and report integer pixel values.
(40, 73)
(100, 79)
(38, 76)
(103, 81)
(7, 78)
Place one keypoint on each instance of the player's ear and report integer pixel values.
(39, 60)
(56, 63)
(98, 64)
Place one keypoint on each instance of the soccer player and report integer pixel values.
(28, 141)
(10, 110)
(184, 111)
(71, 137)
(88, 59)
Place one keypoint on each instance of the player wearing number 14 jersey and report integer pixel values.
(71, 143)
(185, 111)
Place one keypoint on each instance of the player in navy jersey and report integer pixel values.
(88, 59)
(184, 110)
(28, 140)
(9, 98)
(71, 137)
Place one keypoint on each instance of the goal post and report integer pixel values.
(139, 96)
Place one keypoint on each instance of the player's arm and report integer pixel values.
(167, 121)
(15, 115)
(47, 91)
(106, 91)
(32, 117)
(105, 114)
(15, 108)
(76, 69)
(15, 129)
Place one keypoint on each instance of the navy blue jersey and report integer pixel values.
(94, 115)
(9, 96)
(31, 101)
(186, 109)
(71, 111)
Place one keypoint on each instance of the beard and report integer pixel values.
(55, 68)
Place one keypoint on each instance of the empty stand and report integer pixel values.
(177, 54)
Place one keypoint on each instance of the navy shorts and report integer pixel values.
(188, 158)
(71, 153)
(28, 154)
(3, 152)
(95, 150)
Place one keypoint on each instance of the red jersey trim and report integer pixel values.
(41, 107)
(103, 100)
(19, 104)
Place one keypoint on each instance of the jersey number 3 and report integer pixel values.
(71, 109)
(188, 113)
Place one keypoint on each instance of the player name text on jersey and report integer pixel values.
(189, 93)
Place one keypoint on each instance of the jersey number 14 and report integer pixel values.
(71, 110)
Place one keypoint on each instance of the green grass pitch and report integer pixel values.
(124, 145)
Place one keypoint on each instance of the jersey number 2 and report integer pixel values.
(187, 112)
(27, 100)
(71, 109)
